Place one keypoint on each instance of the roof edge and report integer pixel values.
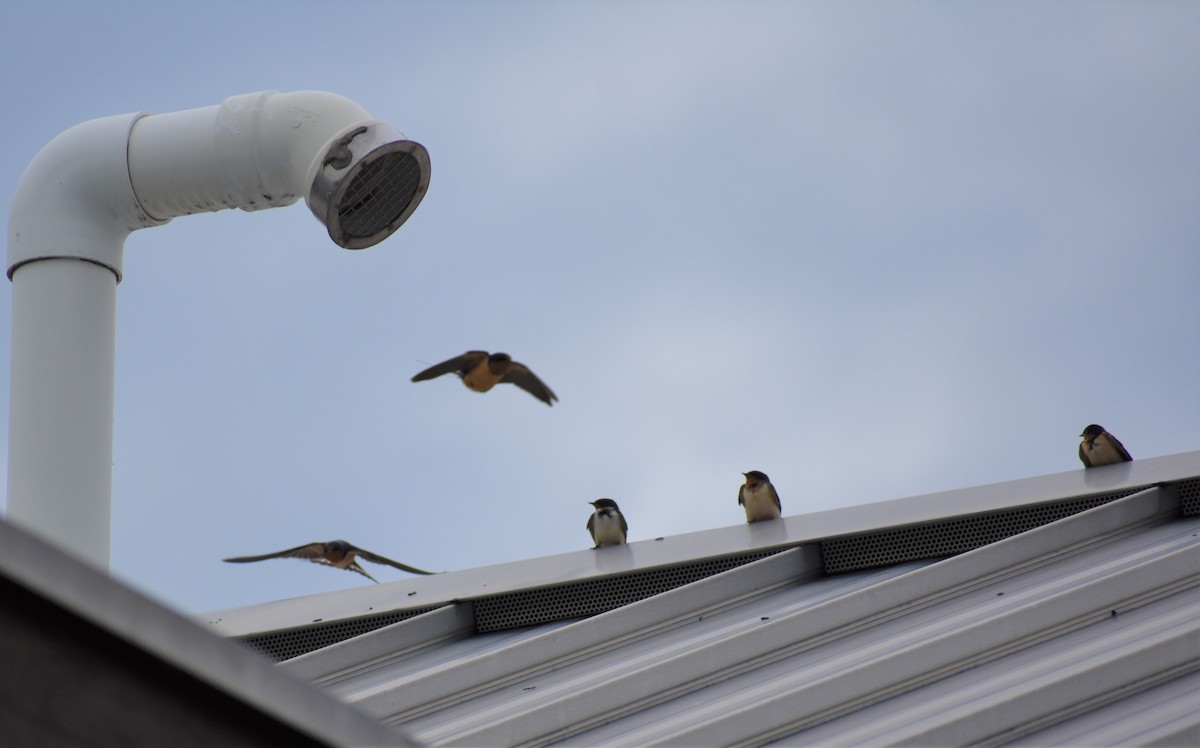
(426, 593)
(91, 595)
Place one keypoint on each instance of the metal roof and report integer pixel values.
(586, 582)
(68, 693)
(1074, 618)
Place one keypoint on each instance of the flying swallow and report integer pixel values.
(481, 371)
(607, 524)
(336, 553)
(1101, 448)
(758, 497)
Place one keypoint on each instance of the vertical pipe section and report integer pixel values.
(72, 211)
(61, 415)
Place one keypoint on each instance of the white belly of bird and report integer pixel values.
(759, 504)
(608, 530)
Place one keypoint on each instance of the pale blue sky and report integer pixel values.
(874, 249)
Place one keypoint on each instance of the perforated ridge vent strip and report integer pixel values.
(581, 599)
(284, 645)
(940, 539)
(1189, 497)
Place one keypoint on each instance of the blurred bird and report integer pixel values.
(757, 496)
(336, 553)
(607, 525)
(1101, 448)
(480, 372)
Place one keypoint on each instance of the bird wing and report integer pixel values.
(311, 552)
(520, 375)
(741, 496)
(1083, 455)
(624, 524)
(591, 524)
(1119, 447)
(458, 364)
(377, 559)
(775, 495)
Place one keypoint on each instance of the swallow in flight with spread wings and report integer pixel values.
(336, 553)
(481, 371)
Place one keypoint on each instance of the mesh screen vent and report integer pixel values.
(939, 539)
(284, 645)
(1189, 497)
(582, 599)
(380, 192)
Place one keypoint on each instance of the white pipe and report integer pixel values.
(75, 198)
(251, 152)
(60, 448)
(94, 184)
(72, 211)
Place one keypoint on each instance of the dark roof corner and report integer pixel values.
(87, 647)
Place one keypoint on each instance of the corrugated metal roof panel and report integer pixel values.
(1011, 697)
(1164, 715)
(627, 675)
(1027, 634)
(976, 666)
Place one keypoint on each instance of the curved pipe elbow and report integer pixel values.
(75, 199)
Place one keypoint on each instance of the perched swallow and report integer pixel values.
(757, 496)
(1101, 448)
(607, 524)
(481, 371)
(337, 553)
